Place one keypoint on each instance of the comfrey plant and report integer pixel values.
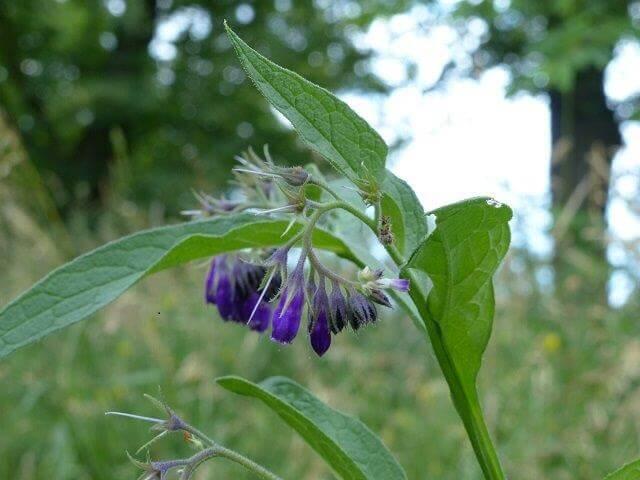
(270, 249)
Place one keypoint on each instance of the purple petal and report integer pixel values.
(338, 309)
(278, 257)
(209, 294)
(224, 298)
(286, 321)
(261, 317)
(399, 284)
(363, 310)
(320, 335)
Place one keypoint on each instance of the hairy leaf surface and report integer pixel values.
(631, 471)
(324, 121)
(88, 283)
(460, 257)
(345, 443)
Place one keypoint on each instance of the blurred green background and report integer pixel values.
(112, 111)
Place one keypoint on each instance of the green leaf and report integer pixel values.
(631, 471)
(408, 221)
(88, 283)
(325, 122)
(346, 444)
(460, 257)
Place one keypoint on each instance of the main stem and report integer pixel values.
(466, 404)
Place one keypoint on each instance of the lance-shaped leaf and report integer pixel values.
(346, 444)
(325, 122)
(631, 471)
(460, 257)
(88, 283)
(408, 221)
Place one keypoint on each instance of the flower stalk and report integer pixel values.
(159, 470)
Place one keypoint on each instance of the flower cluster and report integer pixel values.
(233, 285)
(263, 294)
(257, 296)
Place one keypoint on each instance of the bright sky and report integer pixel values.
(468, 139)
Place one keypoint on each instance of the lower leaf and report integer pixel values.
(346, 444)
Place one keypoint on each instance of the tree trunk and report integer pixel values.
(585, 136)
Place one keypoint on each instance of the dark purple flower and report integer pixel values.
(233, 285)
(378, 296)
(319, 333)
(209, 291)
(286, 317)
(363, 311)
(338, 309)
(224, 297)
(261, 316)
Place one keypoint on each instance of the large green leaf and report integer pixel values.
(408, 221)
(631, 471)
(88, 283)
(460, 257)
(345, 443)
(325, 122)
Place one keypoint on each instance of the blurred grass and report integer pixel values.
(560, 383)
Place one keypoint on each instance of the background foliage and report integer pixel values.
(99, 138)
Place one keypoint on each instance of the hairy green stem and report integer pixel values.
(216, 450)
(307, 242)
(325, 186)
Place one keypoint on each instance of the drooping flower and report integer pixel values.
(286, 317)
(362, 310)
(233, 285)
(338, 309)
(209, 289)
(319, 333)
(259, 319)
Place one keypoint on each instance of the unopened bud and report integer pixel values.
(294, 176)
(384, 231)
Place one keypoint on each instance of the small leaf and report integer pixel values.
(345, 443)
(631, 471)
(88, 283)
(408, 221)
(325, 122)
(460, 257)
